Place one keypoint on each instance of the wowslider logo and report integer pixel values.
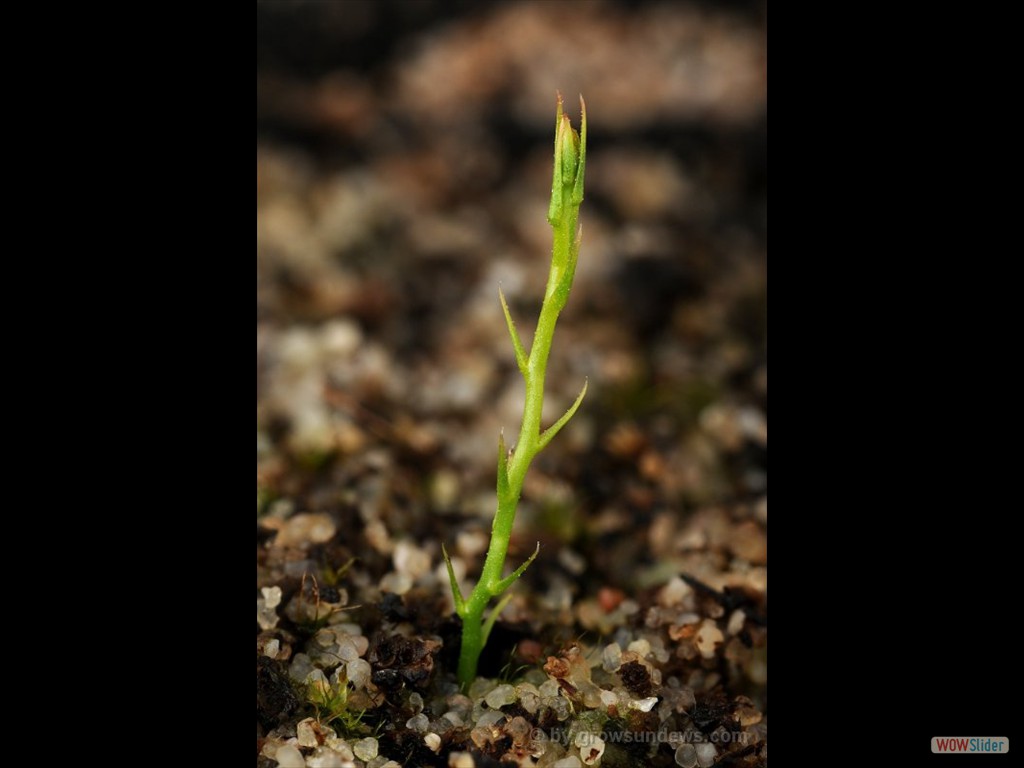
(971, 745)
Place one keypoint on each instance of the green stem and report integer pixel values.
(527, 448)
(472, 645)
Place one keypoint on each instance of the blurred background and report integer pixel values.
(403, 174)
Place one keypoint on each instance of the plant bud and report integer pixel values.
(570, 153)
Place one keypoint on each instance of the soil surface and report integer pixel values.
(403, 173)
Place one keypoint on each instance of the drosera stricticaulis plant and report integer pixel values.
(563, 214)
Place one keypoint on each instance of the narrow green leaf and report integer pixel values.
(460, 603)
(555, 207)
(509, 580)
(551, 431)
(577, 190)
(567, 277)
(489, 624)
(521, 359)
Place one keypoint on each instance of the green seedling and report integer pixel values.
(332, 709)
(563, 215)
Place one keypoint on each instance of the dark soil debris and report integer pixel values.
(636, 678)
(397, 658)
(275, 698)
